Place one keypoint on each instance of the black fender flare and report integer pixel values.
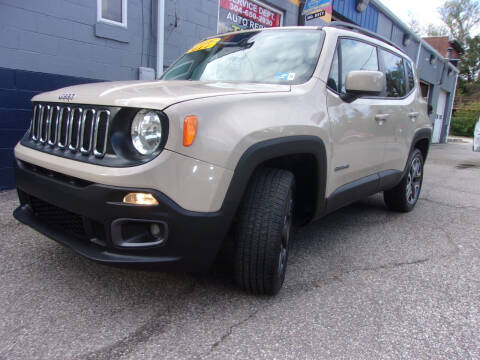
(266, 150)
(420, 134)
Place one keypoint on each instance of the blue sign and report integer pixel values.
(313, 6)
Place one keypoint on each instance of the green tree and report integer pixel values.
(435, 30)
(470, 64)
(413, 24)
(460, 16)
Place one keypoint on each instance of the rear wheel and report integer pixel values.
(263, 232)
(405, 195)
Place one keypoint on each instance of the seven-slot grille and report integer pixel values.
(73, 128)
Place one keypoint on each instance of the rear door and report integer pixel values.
(400, 107)
(357, 151)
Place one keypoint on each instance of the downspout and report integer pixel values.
(160, 36)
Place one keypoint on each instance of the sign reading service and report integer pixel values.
(235, 15)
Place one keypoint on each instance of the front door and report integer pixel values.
(357, 150)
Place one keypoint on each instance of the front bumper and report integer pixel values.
(79, 215)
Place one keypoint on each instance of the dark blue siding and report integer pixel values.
(367, 19)
(17, 87)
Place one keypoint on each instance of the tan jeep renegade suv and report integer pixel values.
(244, 136)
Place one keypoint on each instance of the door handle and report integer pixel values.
(381, 118)
(413, 116)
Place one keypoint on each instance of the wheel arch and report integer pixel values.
(291, 153)
(422, 141)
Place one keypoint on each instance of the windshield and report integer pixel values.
(272, 57)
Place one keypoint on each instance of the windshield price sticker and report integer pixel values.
(237, 15)
(204, 45)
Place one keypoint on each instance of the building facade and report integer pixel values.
(449, 48)
(48, 44)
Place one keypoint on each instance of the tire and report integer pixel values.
(263, 232)
(404, 196)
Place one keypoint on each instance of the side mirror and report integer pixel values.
(365, 83)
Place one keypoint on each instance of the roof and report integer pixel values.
(406, 28)
(335, 24)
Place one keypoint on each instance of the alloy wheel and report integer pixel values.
(414, 180)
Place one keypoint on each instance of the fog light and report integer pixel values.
(140, 199)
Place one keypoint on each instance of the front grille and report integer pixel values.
(59, 218)
(74, 128)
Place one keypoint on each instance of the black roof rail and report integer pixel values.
(363, 31)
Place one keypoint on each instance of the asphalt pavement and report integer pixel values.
(362, 283)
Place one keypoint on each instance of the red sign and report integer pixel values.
(251, 11)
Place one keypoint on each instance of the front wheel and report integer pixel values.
(404, 196)
(263, 231)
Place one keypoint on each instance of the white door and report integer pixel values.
(437, 128)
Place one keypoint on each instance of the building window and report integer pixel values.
(112, 12)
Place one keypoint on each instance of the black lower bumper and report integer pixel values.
(80, 214)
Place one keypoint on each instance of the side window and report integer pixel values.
(333, 78)
(351, 55)
(395, 74)
(410, 76)
(356, 55)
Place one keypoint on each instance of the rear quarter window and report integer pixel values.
(410, 76)
(395, 74)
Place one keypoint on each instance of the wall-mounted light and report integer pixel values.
(407, 38)
(362, 5)
(432, 59)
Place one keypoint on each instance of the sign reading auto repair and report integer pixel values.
(234, 15)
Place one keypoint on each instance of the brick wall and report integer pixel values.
(442, 44)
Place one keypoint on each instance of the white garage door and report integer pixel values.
(437, 128)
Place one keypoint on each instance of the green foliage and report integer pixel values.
(470, 64)
(460, 16)
(468, 89)
(435, 30)
(465, 118)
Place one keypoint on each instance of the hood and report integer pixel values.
(151, 94)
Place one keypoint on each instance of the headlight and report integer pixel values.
(146, 131)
